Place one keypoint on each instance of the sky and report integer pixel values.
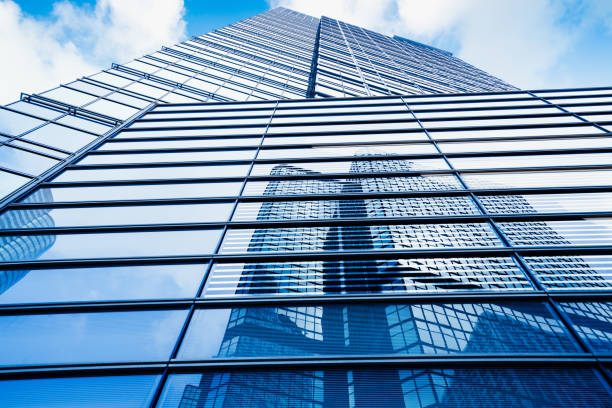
(532, 44)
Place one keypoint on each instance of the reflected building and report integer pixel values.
(356, 328)
(14, 248)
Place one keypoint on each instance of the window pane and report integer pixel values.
(24, 161)
(381, 387)
(88, 125)
(178, 144)
(375, 237)
(593, 322)
(107, 245)
(117, 215)
(587, 231)
(134, 192)
(350, 166)
(364, 138)
(128, 391)
(89, 337)
(112, 109)
(576, 178)
(181, 157)
(158, 173)
(13, 124)
(104, 283)
(368, 276)
(355, 150)
(572, 271)
(531, 161)
(365, 329)
(547, 203)
(10, 182)
(60, 136)
(356, 185)
(33, 109)
(359, 208)
(518, 145)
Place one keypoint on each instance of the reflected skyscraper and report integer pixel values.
(13, 248)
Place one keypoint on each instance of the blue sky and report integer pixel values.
(530, 43)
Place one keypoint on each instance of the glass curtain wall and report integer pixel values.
(415, 251)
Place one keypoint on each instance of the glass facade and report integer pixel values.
(299, 212)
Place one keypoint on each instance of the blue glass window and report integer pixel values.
(127, 391)
(107, 245)
(89, 337)
(374, 329)
(103, 283)
(418, 388)
(593, 322)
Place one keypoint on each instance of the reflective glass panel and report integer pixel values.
(134, 192)
(107, 245)
(536, 144)
(359, 208)
(178, 144)
(354, 150)
(593, 322)
(10, 182)
(571, 272)
(531, 161)
(60, 136)
(103, 283)
(116, 215)
(384, 387)
(33, 109)
(350, 238)
(158, 173)
(576, 178)
(366, 329)
(127, 391)
(354, 185)
(350, 138)
(13, 123)
(368, 276)
(587, 231)
(180, 157)
(89, 337)
(24, 161)
(547, 203)
(354, 166)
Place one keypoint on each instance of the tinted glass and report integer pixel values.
(103, 283)
(24, 161)
(369, 276)
(89, 337)
(120, 215)
(158, 173)
(13, 123)
(374, 329)
(593, 322)
(134, 192)
(128, 391)
(60, 136)
(415, 388)
(572, 272)
(111, 245)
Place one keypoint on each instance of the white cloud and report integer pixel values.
(521, 41)
(75, 41)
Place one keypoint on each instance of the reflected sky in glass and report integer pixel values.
(110, 245)
(126, 215)
(104, 283)
(89, 337)
(129, 391)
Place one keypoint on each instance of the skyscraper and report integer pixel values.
(293, 211)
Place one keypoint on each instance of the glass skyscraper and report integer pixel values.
(300, 212)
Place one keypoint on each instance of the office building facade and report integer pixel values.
(299, 212)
